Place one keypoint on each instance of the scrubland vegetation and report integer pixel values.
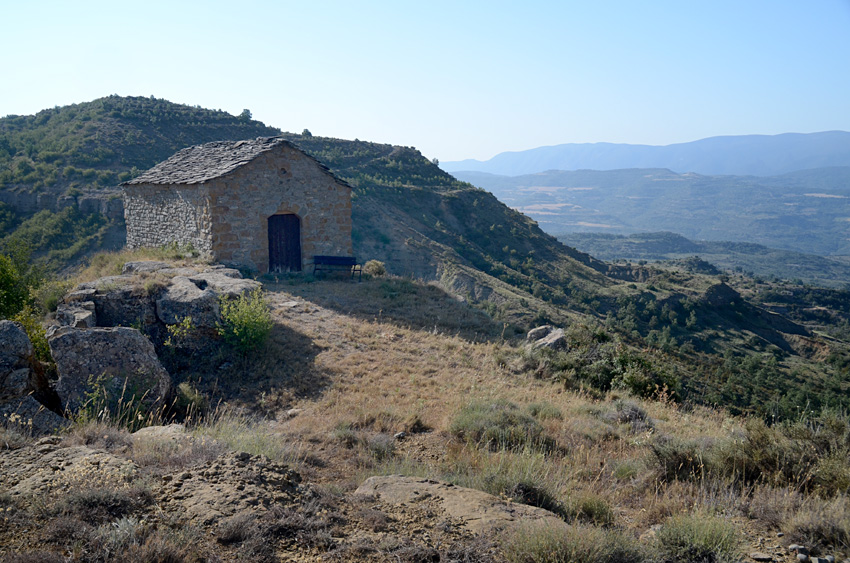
(600, 434)
(690, 415)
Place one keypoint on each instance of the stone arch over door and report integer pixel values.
(284, 243)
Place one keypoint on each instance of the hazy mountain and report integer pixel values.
(805, 211)
(758, 155)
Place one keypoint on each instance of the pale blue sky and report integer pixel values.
(454, 79)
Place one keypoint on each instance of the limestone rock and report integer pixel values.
(225, 282)
(15, 347)
(119, 301)
(30, 417)
(480, 512)
(171, 433)
(144, 266)
(231, 484)
(555, 340)
(15, 353)
(539, 332)
(37, 471)
(758, 556)
(78, 314)
(121, 358)
(183, 298)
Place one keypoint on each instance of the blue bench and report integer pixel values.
(337, 263)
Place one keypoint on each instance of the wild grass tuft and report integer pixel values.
(700, 538)
(499, 425)
(242, 433)
(570, 544)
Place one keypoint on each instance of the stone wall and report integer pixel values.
(160, 215)
(283, 180)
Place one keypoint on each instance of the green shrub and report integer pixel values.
(589, 508)
(245, 322)
(570, 544)
(543, 411)
(13, 291)
(374, 268)
(31, 322)
(699, 538)
(499, 425)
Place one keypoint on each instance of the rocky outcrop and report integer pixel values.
(478, 511)
(547, 336)
(79, 314)
(119, 359)
(184, 298)
(232, 484)
(92, 344)
(19, 410)
(15, 355)
(151, 295)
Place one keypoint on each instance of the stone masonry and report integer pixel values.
(219, 197)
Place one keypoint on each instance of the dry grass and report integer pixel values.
(360, 368)
(105, 264)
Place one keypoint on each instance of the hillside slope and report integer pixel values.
(424, 223)
(87, 147)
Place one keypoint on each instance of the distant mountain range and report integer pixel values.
(753, 155)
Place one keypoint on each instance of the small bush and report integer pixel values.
(31, 321)
(96, 505)
(98, 435)
(544, 411)
(374, 268)
(237, 529)
(381, 447)
(590, 508)
(822, 525)
(245, 322)
(699, 538)
(499, 425)
(570, 544)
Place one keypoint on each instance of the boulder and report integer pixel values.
(119, 359)
(555, 340)
(144, 266)
(30, 417)
(119, 301)
(539, 332)
(15, 355)
(78, 314)
(480, 512)
(15, 347)
(225, 282)
(183, 298)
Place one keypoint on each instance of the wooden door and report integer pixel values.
(284, 243)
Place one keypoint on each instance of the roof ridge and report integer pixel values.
(200, 163)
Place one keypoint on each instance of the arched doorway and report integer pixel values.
(284, 243)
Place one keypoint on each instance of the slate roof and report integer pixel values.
(200, 163)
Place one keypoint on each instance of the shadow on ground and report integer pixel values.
(265, 379)
(399, 301)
